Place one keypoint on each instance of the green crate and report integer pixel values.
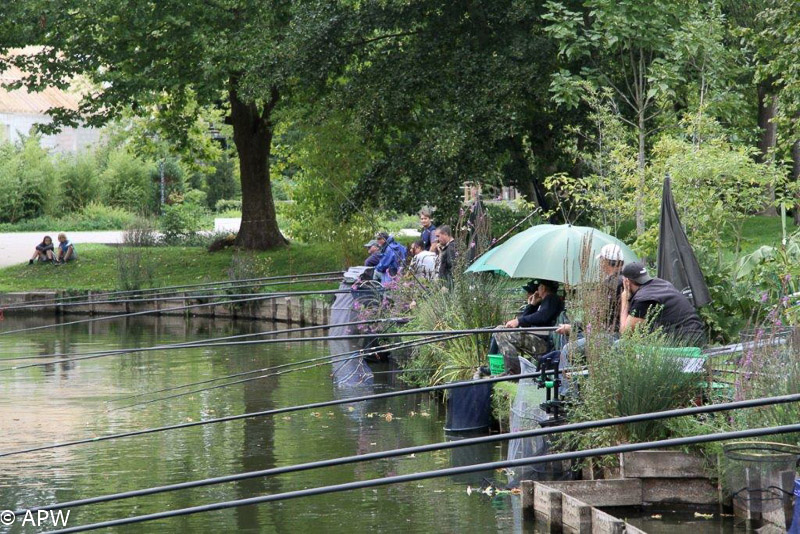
(680, 352)
(496, 365)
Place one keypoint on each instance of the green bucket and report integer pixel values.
(496, 365)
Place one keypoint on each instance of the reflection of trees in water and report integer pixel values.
(258, 446)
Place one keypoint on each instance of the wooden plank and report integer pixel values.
(679, 491)
(576, 516)
(615, 492)
(603, 523)
(661, 464)
(547, 503)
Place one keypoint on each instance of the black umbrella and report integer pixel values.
(676, 261)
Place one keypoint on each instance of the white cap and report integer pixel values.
(610, 252)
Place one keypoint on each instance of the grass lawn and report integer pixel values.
(97, 267)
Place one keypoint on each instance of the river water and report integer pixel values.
(68, 401)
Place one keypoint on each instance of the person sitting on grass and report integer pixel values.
(66, 250)
(44, 251)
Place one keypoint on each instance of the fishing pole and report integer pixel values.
(419, 449)
(489, 466)
(202, 342)
(260, 377)
(268, 296)
(169, 296)
(362, 352)
(276, 411)
(485, 330)
(219, 282)
(499, 239)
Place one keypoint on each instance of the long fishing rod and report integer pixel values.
(361, 352)
(169, 296)
(486, 330)
(157, 289)
(268, 296)
(419, 449)
(510, 230)
(276, 411)
(423, 341)
(202, 342)
(489, 466)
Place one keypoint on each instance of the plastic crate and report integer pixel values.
(496, 365)
(679, 352)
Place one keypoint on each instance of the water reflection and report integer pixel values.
(70, 401)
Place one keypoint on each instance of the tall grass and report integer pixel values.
(630, 377)
(475, 301)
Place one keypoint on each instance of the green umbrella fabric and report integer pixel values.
(551, 252)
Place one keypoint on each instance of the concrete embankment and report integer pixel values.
(290, 310)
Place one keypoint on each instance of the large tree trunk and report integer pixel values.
(252, 134)
(767, 108)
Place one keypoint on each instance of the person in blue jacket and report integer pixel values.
(542, 309)
(393, 257)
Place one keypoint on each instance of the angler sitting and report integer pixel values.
(542, 309)
(393, 256)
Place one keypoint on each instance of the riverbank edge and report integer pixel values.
(290, 310)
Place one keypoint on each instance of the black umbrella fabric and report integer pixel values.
(676, 261)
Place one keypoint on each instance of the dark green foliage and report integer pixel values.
(221, 184)
(79, 181)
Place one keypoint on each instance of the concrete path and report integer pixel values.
(17, 247)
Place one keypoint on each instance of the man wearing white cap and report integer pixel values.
(611, 263)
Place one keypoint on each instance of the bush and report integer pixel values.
(126, 183)
(79, 181)
(135, 268)
(228, 205)
(222, 184)
(28, 185)
(140, 233)
(630, 377)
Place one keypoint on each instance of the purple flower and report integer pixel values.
(764, 296)
(787, 278)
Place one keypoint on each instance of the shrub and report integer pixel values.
(79, 181)
(126, 183)
(141, 232)
(630, 377)
(222, 184)
(135, 268)
(228, 205)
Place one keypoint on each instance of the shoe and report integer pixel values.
(30, 262)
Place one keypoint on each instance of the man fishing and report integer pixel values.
(645, 298)
(542, 309)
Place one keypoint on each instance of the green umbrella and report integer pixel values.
(550, 252)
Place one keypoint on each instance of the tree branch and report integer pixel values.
(381, 38)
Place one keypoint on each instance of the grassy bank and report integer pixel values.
(97, 267)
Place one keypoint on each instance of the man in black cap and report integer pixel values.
(645, 298)
(542, 309)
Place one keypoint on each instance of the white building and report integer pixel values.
(20, 110)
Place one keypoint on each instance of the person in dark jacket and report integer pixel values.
(446, 248)
(542, 309)
(645, 298)
(427, 233)
(393, 256)
(373, 249)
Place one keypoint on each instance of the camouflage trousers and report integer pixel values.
(513, 344)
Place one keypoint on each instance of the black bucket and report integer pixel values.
(469, 408)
